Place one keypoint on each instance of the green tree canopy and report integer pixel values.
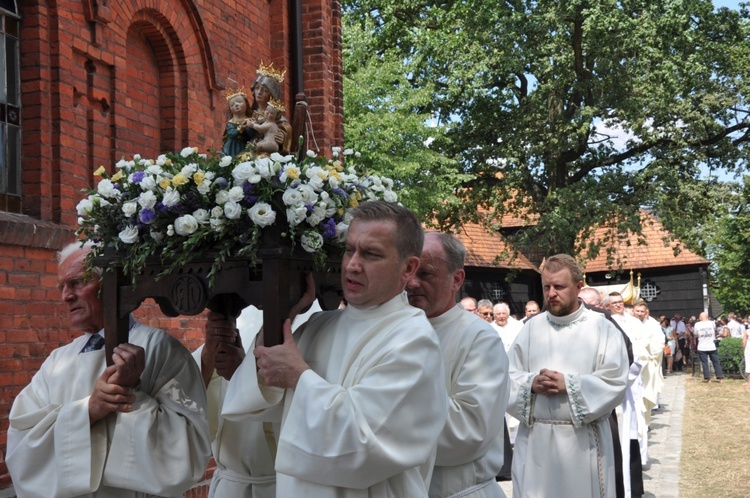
(567, 113)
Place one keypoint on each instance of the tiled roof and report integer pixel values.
(654, 254)
(482, 249)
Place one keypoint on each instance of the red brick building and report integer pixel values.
(87, 82)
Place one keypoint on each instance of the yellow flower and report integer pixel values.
(338, 166)
(117, 176)
(353, 203)
(357, 195)
(179, 179)
(198, 177)
(165, 182)
(99, 171)
(340, 212)
(292, 172)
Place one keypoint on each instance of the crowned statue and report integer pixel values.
(260, 127)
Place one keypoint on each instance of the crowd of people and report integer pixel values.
(403, 391)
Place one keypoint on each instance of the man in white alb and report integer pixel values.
(360, 395)
(568, 369)
(470, 448)
(134, 429)
(504, 325)
(653, 339)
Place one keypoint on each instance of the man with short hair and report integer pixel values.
(680, 329)
(469, 304)
(653, 340)
(506, 328)
(569, 371)
(134, 429)
(470, 449)
(359, 392)
(484, 310)
(531, 309)
(704, 331)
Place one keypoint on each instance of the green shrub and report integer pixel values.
(731, 354)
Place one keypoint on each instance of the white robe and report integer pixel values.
(470, 448)
(244, 450)
(364, 420)
(564, 445)
(653, 378)
(160, 448)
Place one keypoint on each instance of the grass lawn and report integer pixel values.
(715, 459)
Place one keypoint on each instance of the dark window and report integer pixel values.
(10, 110)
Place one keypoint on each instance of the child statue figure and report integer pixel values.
(268, 128)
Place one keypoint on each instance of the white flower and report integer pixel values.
(157, 236)
(311, 153)
(201, 215)
(341, 229)
(222, 196)
(317, 215)
(84, 207)
(236, 194)
(309, 196)
(107, 189)
(148, 183)
(187, 151)
(217, 212)
(330, 207)
(171, 197)
(129, 208)
(262, 214)
(154, 169)
(264, 167)
(147, 200)
(205, 186)
(292, 197)
(243, 171)
(218, 224)
(256, 178)
(232, 210)
(121, 163)
(357, 154)
(189, 169)
(185, 225)
(335, 151)
(348, 152)
(225, 161)
(276, 157)
(170, 230)
(311, 241)
(390, 196)
(296, 215)
(161, 160)
(129, 235)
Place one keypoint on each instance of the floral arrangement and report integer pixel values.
(181, 206)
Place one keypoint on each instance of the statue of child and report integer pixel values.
(237, 134)
(268, 128)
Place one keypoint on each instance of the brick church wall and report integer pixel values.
(101, 80)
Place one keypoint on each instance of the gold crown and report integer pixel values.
(277, 104)
(234, 92)
(271, 72)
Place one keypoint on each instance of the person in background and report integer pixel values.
(470, 450)
(469, 304)
(484, 310)
(134, 429)
(704, 331)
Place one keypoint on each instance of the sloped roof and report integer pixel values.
(482, 248)
(654, 254)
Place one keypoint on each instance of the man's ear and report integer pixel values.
(410, 269)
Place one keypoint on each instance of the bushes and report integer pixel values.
(732, 356)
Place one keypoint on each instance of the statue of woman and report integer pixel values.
(237, 133)
(267, 84)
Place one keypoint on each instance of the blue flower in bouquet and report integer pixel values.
(181, 206)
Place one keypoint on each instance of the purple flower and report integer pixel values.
(251, 199)
(309, 208)
(146, 216)
(329, 229)
(220, 182)
(341, 193)
(138, 176)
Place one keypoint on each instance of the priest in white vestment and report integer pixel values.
(81, 429)
(653, 377)
(361, 393)
(470, 448)
(568, 369)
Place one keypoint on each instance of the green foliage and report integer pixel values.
(731, 253)
(731, 354)
(568, 114)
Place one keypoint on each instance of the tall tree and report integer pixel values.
(567, 113)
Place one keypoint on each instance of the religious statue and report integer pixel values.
(241, 132)
(269, 128)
